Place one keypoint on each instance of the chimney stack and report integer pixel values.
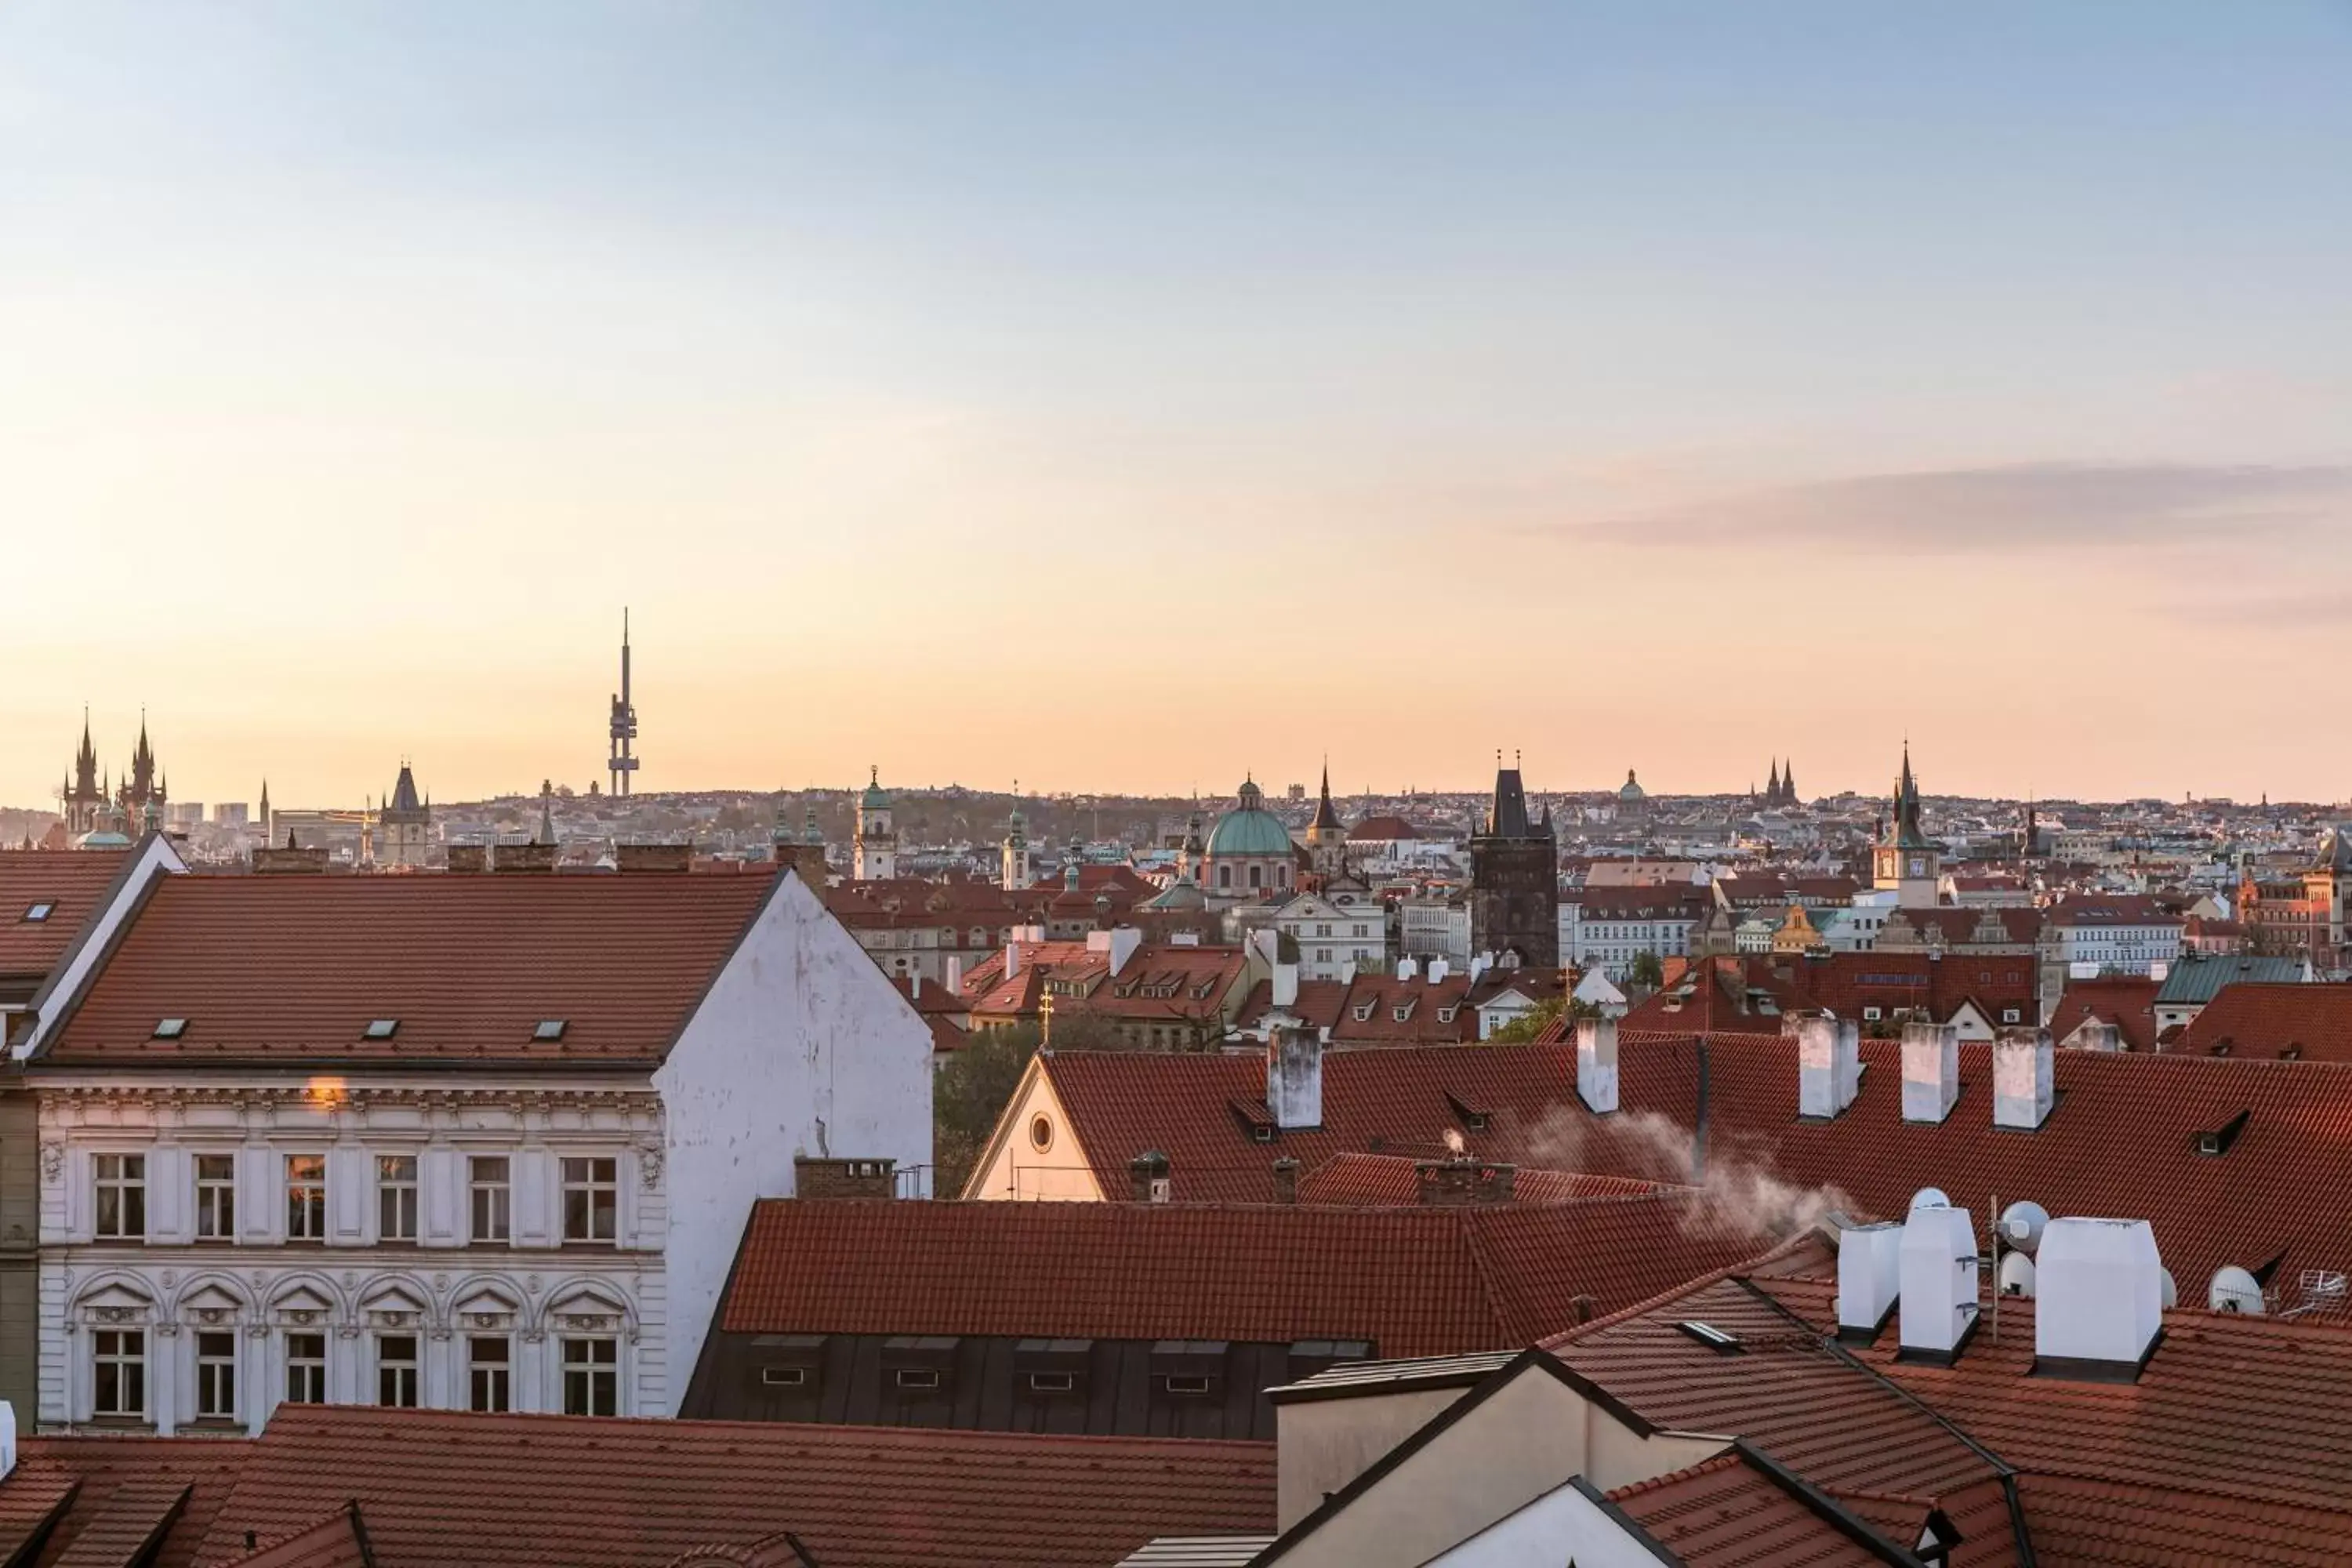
(1931, 1070)
(1461, 1183)
(2099, 1298)
(647, 857)
(1870, 1277)
(1148, 1174)
(1829, 1065)
(1939, 1280)
(1408, 969)
(1294, 1079)
(817, 1179)
(2023, 1072)
(1596, 1065)
(1286, 986)
(1286, 1179)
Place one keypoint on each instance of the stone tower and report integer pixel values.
(1515, 878)
(874, 856)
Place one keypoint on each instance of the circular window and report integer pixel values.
(1041, 1133)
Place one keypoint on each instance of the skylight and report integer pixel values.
(381, 1029)
(170, 1028)
(39, 912)
(549, 1029)
(1712, 1337)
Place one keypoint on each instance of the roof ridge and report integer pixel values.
(1729, 1459)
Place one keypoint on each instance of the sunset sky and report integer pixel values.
(1122, 396)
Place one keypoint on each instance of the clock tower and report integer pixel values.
(1906, 858)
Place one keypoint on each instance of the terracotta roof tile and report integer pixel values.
(2127, 1002)
(440, 1487)
(1414, 1281)
(104, 1522)
(1729, 1511)
(71, 882)
(2314, 1022)
(338, 1541)
(1372, 1180)
(271, 967)
(1398, 1101)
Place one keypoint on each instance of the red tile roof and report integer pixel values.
(439, 1487)
(2243, 1020)
(2123, 1137)
(1414, 1281)
(122, 1488)
(1721, 992)
(1200, 1110)
(72, 882)
(1730, 1511)
(338, 1541)
(2127, 1002)
(2230, 1448)
(269, 968)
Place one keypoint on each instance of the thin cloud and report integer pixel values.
(2026, 506)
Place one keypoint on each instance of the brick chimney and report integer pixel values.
(290, 860)
(1286, 1179)
(511, 859)
(817, 1180)
(468, 858)
(642, 858)
(1459, 1183)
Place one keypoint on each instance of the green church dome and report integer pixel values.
(1249, 829)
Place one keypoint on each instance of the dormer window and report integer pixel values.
(380, 1029)
(549, 1029)
(170, 1028)
(1363, 1012)
(35, 913)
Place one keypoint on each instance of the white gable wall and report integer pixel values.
(802, 1047)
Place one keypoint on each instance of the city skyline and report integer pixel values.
(942, 389)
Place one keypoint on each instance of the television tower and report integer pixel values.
(623, 727)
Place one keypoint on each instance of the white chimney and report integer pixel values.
(1939, 1279)
(955, 974)
(2023, 1070)
(1286, 986)
(2099, 1297)
(1438, 970)
(1012, 959)
(915, 985)
(1408, 969)
(1829, 1065)
(1596, 1065)
(1124, 941)
(1294, 1079)
(1870, 1275)
(1931, 1070)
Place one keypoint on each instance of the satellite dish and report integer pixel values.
(2021, 1225)
(2235, 1290)
(2171, 1290)
(1930, 1198)
(2017, 1275)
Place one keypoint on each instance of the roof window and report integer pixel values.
(38, 911)
(550, 1028)
(1713, 1338)
(170, 1028)
(2215, 1142)
(380, 1029)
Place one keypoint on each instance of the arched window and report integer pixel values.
(1224, 876)
(1257, 876)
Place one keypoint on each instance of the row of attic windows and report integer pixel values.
(376, 1029)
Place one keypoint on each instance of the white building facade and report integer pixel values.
(547, 1232)
(1338, 937)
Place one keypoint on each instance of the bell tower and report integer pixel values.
(1905, 860)
(875, 854)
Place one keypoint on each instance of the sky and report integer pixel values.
(1127, 397)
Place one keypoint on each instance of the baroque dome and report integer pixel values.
(1249, 829)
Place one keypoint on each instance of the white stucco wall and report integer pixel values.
(1562, 1526)
(802, 1047)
